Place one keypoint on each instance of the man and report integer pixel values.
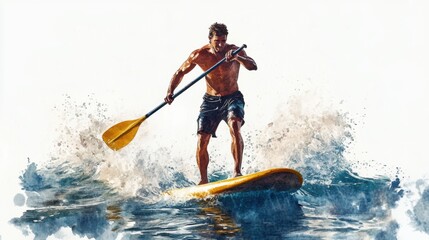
(223, 100)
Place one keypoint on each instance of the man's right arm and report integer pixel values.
(186, 67)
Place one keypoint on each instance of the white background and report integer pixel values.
(369, 57)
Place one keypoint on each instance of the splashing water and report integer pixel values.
(103, 194)
(310, 142)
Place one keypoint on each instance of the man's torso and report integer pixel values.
(222, 80)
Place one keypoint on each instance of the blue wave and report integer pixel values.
(349, 205)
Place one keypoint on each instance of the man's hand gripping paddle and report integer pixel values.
(121, 134)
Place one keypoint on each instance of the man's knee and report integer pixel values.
(235, 124)
(203, 140)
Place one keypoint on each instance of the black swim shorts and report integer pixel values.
(214, 109)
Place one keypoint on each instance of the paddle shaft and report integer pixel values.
(123, 133)
(194, 81)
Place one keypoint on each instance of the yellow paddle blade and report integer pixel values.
(122, 133)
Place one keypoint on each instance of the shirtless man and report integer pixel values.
(222, 100)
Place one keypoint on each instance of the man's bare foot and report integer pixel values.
(238, 174)
(203, 182)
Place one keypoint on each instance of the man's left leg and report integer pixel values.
(237, 144)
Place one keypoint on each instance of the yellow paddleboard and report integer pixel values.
(280, 179)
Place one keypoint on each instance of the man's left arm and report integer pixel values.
(243, 59)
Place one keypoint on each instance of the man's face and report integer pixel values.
(218, 43)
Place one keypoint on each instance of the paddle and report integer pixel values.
(123, 133)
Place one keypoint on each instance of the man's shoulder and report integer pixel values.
(202, 50)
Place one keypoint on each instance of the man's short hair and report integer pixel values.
(218, 29)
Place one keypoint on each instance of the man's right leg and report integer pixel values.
(203, 156)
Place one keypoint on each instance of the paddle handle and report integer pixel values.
(194, 81)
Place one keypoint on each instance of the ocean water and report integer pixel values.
(348, 208)
(86, 191)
